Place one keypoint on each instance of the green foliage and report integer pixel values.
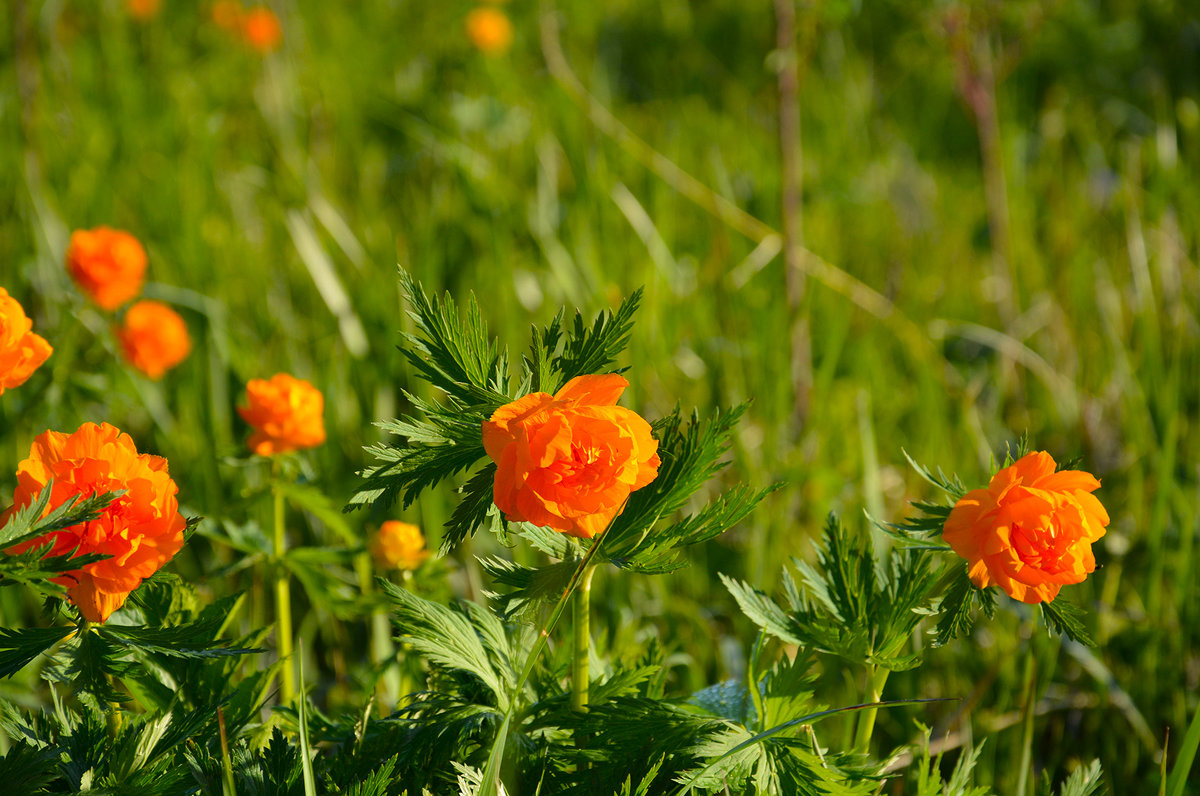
(957, 608)
(850, 606)
(32, 568)
(1067, 619)
(452, 351)
(691, 454)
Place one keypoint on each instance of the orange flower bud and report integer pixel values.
(108, 265)
(21, 351)
(398, 545)
(286, 414)
(1031, 531)
(143, 9)
(489, 30)
(569, 461)
(141, 530)
(153, 338)
(261, 29)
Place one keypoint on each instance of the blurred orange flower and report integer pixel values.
(1031, 531)
(286, 414)
(227, 14)
(399, 545)
(108, 265)
(141, 530)
(153, 338)
(261, 29)
(143, 9)
(489, 30)
(569, 461)
(21, 351)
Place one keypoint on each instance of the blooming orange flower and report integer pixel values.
(107, 264)
(1031, 531)
(261, 29)
(143, 9)
(227, 14)
(21, 351)
(286, 414)
(153, 338)
(489, 30)
(399, 545)
(569, 461)
(141, 530)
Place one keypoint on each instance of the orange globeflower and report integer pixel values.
(227, 14)
(399, 545)
(286, 414)
(107, 264)
(141, 530)
(1031, 531)
(261, 29)
(569, 461)
(489, 30)
(153, 338)
(143, 9)
(21, 351)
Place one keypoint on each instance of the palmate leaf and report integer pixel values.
(848, 606)
(27, 768)
(452, 350)
(948, 484)
(691, 454)
(956, 614)
(1067, 619)
(529, 585)
(25, 524)
(594, 350)
(33, 568)
(452, 640)
(19, 647)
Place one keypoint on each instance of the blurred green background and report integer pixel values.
(998, 216)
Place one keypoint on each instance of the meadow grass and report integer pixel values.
(276, 195)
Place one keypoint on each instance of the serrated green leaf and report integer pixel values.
(1067, 619)
(19, 647)
(955, 611)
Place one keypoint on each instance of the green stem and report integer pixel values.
(283, 600)
(1027, 720)
(579, 671)
(866, 721)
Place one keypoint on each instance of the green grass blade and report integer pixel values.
(1177, 782)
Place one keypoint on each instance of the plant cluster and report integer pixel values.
(153, 693)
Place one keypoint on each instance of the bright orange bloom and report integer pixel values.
(286, 414)
(489, 30)
(569, 461)
(21, 351)
(261, 29)
(153, 338)
(141, 530)
(143, 9)
(1031, 531)
(399, 545)
(227, 14)
(108, 265)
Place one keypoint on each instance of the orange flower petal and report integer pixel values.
(141, 530)
(1030, 531)
(569, 461)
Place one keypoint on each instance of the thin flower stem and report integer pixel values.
(283, 599)
(866, 721)
(1027, 719)
(582, 615)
